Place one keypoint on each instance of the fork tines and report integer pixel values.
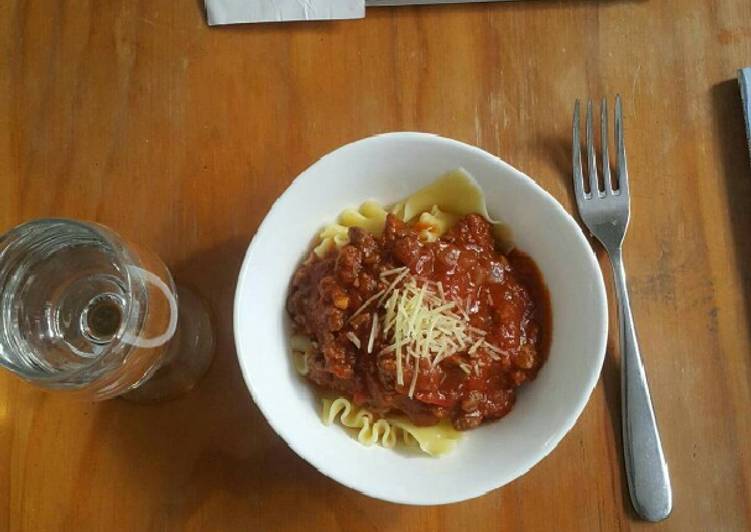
(606, 188)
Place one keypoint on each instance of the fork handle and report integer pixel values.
(646, 469)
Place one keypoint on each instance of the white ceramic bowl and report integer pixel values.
(388, 168)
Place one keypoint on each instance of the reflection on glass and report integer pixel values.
(83, 310)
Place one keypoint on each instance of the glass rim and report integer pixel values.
(123, 257)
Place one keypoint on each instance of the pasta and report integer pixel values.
(302, 347)
(456, 192)
(439, 205)
(435, 441)
(435, 223)
(371, 216)
(379, 321)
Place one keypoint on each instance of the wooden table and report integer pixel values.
(138, 115)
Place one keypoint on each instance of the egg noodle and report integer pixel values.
(420, 317)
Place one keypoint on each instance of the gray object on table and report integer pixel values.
(384, 3)
(219, 12)
(744, 78)
(606, 213)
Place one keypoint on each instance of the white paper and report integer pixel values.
(239, 11)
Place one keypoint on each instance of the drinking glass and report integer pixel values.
(82, 309)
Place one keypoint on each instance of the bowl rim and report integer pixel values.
(599, 295)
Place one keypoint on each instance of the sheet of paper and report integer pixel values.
(239, 11)
(384, 3)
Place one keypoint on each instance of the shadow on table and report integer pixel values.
(560, 152)
(730, 129)
(212, 446)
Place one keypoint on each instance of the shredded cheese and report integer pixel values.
(352, 337)
(475, 347)
(462, 310)
(477, 331)
(494, 351)
(373, 332)
(367, 302)
(415, 371)
(393, 284)
(386, 273)
(419, 323)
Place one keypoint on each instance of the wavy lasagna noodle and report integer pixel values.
(435, 441)
(439, 206)
(371, 216)
(413, 349)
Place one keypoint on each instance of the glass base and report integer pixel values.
(188, 356)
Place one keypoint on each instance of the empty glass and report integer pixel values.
(83, 310)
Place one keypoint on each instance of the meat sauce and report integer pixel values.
(503, 295)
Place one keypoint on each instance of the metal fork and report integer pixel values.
(605, 211)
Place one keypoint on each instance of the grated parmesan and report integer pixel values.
(352, 337)
(373, 332)
(367, 302)
(419, 323)
(386, 273)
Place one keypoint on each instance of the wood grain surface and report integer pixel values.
(180, 136)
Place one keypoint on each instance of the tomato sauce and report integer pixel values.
(502, 295)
